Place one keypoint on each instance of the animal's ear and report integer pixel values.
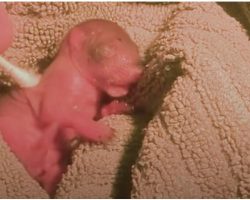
(76, 38)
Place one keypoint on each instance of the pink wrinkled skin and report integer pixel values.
(97, 57)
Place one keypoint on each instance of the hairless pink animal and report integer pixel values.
(96, 58)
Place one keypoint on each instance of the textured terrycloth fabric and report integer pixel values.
(196, 145)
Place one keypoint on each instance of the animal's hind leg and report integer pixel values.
(37, 150)
(53, 170)
(54, 159)
(22, 137)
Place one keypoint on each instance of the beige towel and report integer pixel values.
(196, 145)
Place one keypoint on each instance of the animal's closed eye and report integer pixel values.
(100, 52)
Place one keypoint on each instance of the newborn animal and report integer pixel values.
(96, 59)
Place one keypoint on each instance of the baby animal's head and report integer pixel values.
(104, 53)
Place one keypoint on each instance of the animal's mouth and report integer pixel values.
(105, 100)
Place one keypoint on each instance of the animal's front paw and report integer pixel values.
(101, 133)
(92, 130)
